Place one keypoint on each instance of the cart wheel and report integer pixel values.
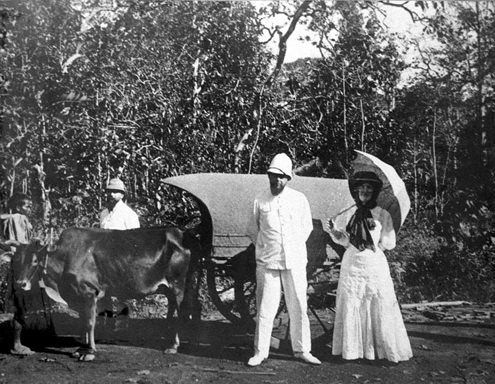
(321, 293)
(233, 293)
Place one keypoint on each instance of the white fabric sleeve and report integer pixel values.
(103, 215)
(133, 221)
(387, 237)
(307, 219)
(339, 234)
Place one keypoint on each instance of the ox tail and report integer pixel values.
(191, 307)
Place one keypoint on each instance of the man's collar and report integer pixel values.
(283, 193)
(111, 209)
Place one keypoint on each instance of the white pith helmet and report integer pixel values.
(282, 165)
(116, 185)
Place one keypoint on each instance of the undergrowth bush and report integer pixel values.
(426, 267)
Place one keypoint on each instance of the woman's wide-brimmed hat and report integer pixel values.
(393, 195)
(362, 177)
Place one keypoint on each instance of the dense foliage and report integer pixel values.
(145, 90)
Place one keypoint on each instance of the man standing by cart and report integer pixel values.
(117, 214)
(284, 223)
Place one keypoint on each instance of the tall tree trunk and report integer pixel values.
(197, 86)
(346, 145)
(12, 180)
(198, 80)
(258, 129)
(434, 161)
(45, 197)
(100, 181)
(363, 125)
(415, 173)
(481, 109)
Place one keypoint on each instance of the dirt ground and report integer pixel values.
(130, 351)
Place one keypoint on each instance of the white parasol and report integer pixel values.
(393, 196)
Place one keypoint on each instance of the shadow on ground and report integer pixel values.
(215, 339)
(212, 337)
(207, 338)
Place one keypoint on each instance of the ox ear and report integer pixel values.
(6, 257)
(6, 252)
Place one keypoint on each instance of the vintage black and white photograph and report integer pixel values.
(247, 191)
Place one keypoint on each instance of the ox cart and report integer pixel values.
(228, 234)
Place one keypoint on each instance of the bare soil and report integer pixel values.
(130, 350)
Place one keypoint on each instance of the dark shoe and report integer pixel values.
(124, 312)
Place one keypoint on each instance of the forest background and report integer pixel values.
(145, 89)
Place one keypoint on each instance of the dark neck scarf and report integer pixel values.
(359, 226)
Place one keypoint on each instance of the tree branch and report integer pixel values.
(282, 45)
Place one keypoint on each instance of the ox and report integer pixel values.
(88, 264)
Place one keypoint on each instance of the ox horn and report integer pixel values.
(4, 247)
(12, 243)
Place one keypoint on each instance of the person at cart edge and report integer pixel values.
(117, 215)
(284, 223)
(17, 227)
(368, 322)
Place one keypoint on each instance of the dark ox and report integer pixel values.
(88, 264)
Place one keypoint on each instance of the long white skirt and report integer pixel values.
(368, 321)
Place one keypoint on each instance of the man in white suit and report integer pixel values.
(284, 222)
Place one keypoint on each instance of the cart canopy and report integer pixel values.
(229, 199)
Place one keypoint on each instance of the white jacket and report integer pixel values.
(284, 224)
(120, 217)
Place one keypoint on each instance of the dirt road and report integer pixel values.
(131, 352)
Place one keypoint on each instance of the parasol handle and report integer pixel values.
(341, 212)
(330, 220)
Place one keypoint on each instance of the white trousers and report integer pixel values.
(268, 292)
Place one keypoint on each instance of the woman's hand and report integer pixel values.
(330, 225)
(332, 230)
(334, 233)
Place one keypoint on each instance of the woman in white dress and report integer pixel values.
(368, 321)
